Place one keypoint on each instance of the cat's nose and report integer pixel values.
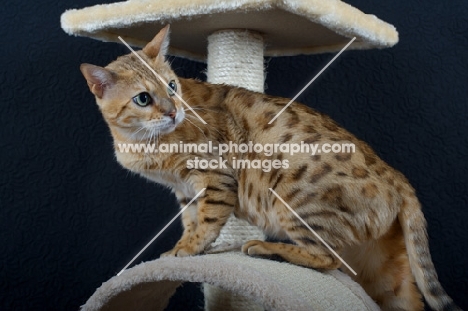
(168, 108)
(171, 114)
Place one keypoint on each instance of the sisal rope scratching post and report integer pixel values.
(235, 57)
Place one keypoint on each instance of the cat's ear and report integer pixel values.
(98, 78)
(159, 45)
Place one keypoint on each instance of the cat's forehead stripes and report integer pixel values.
(132, 69)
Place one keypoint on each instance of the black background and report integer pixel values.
(71, 218)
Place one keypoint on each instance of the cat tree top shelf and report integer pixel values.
(288, 27)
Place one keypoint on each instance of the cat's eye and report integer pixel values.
(172, 88)
(142, 99)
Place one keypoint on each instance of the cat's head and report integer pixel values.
(133, 100)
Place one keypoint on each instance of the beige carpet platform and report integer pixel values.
(269, 284)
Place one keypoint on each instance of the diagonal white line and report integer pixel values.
(308, 84)
(315, 233)
(161, 79)
(162, 230)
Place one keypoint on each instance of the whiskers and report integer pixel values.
(134, 134)
(147, 135)
(154, 134)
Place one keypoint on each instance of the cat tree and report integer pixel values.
(233, 37)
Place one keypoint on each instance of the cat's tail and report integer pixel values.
(414, 229)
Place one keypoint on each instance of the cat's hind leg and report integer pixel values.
(383, 270)
(312, 256)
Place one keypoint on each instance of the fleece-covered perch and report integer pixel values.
(270, 285)
(289, 27)
(233, 37)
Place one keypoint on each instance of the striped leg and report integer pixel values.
(211, 214)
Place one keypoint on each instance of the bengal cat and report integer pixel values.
(364, 209)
